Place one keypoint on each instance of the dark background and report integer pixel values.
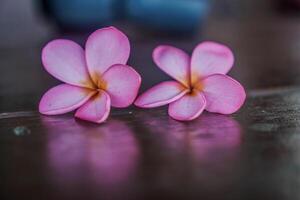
(143, 154)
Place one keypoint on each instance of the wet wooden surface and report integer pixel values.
(143, 154)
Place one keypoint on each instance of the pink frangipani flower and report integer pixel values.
(201, 82)
(95, 79)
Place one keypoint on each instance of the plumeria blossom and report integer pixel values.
(95, 79)
(201, 82)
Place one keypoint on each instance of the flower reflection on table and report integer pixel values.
(214, 136)
(105, 156)
(110, 159)
(212, 141)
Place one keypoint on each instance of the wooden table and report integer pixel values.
(143, 154)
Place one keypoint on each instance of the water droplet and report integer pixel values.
(21, 131)
(265, 127)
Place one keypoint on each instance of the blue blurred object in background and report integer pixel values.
(168, 15)
(83, 14)
(120, 11)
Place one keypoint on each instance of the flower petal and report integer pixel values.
(210, 58)
(64, 98)
(104, 48)
(223, 94)
(96, 109)
(188, 107)
(65, 60)
(161, 94)
(174, 62)
(122, 83)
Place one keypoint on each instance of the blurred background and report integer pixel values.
(264, 34)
